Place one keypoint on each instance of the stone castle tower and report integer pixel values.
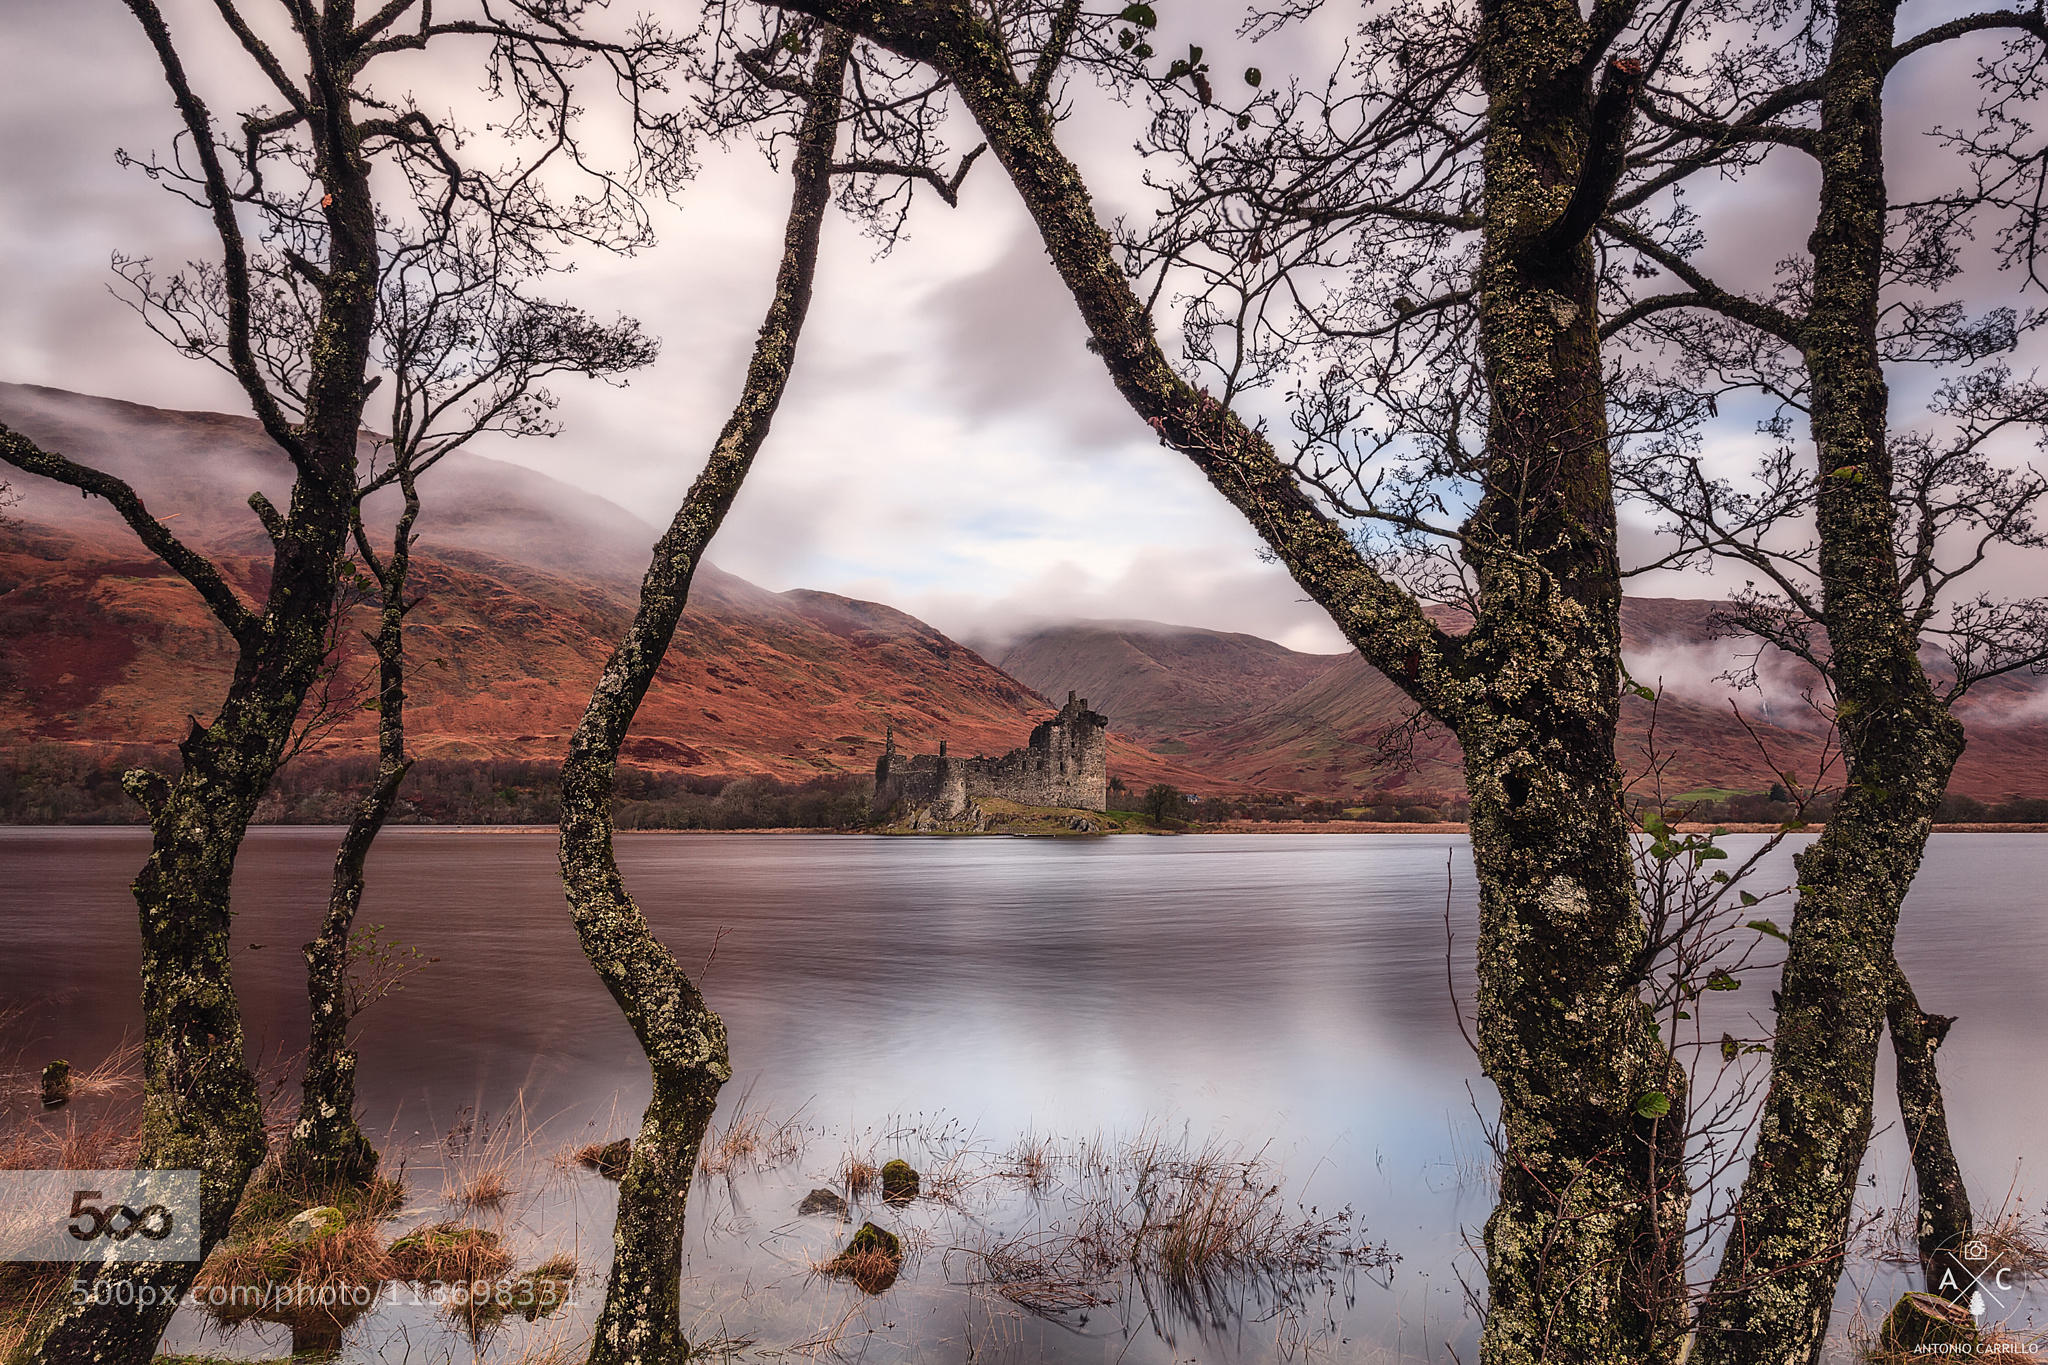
(1065, 763)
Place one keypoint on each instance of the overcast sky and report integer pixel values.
(947, 445)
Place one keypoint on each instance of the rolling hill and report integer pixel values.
(526, 582)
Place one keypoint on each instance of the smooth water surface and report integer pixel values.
(1285, 993)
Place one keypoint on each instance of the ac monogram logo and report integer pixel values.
(1977, 1275)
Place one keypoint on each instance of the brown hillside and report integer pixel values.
(525, 585)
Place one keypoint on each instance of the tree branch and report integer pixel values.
(192, 566)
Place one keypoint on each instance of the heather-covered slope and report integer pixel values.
(525, 582)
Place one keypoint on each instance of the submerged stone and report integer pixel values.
(899, 1182)
(823, 1201)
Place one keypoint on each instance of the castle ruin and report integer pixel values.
(1065, 763)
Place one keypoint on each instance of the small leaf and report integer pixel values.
(1194, 56)
(1730, 1049)
(1252, 77)
(1142, 51)
(1653, 1104)
(1721, 981)
(1244, 121)
(1124, 38)
(1143, 15)
(1764, 926)
(1748, 899)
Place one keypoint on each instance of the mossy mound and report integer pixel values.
(1918, 1321)
(872, 1258)
(899, 1182)
(608, 1159)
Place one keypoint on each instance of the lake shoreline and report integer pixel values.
(1227, 827)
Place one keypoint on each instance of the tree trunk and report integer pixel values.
(1775, 1287)
(1582, 1251)
(327, 1145)
(1945, 1220)
(684, 1040)
(200, 1109)
(1584, 1248)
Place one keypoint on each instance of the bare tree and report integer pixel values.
(466, 353)
(1857, 552)
(292, 313)
(856, 116)
(1500, 131)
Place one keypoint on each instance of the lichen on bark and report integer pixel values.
(683, 1039)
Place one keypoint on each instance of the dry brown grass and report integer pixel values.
(487, 1188)
(270, 1277)
(751, 1141)
(1031, 1161)
(858, 1174)
(448, 1253)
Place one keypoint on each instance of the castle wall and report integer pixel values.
(1065, 763)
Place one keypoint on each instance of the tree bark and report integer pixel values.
(684, 1040)
(1775, 1286)
(200, 1107)
(1582, 1249)
(327, 1145)
(1945, 1220)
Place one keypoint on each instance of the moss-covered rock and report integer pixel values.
(608, 1159)
(899, 1182)
(1920, 1320)
(313, 1224)
(872, 1258)
(56, 1084)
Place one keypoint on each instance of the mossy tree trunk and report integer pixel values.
(1772, 1294)
(1944, 1218)
(685, 1042)
(327, 1145)
(1582, 1250)
(200, 1106)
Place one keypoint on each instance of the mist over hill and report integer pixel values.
(527, 581)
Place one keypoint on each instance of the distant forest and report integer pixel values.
(56, 784)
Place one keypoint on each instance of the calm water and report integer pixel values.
(1282, 992)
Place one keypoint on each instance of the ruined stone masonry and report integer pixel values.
(1066, 763)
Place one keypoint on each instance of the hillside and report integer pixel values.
(1330, 734)
(525, 583)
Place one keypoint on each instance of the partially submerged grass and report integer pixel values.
(448, 1253)
(751, 1141)
(859, 1174)
(488, 1188)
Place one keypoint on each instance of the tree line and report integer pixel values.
(1430, 317)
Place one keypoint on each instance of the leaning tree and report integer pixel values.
(844, 109)
(313, 196)
(1487, 142)
(465, 351)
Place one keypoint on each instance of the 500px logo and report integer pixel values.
(118, 1221)
(104, 1216)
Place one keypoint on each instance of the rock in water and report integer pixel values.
(899, 1182)
(823, 1201)
(609, 1160)
(314, 1224)
(1920, 1320)
(56, 1084)
(872, 1257)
